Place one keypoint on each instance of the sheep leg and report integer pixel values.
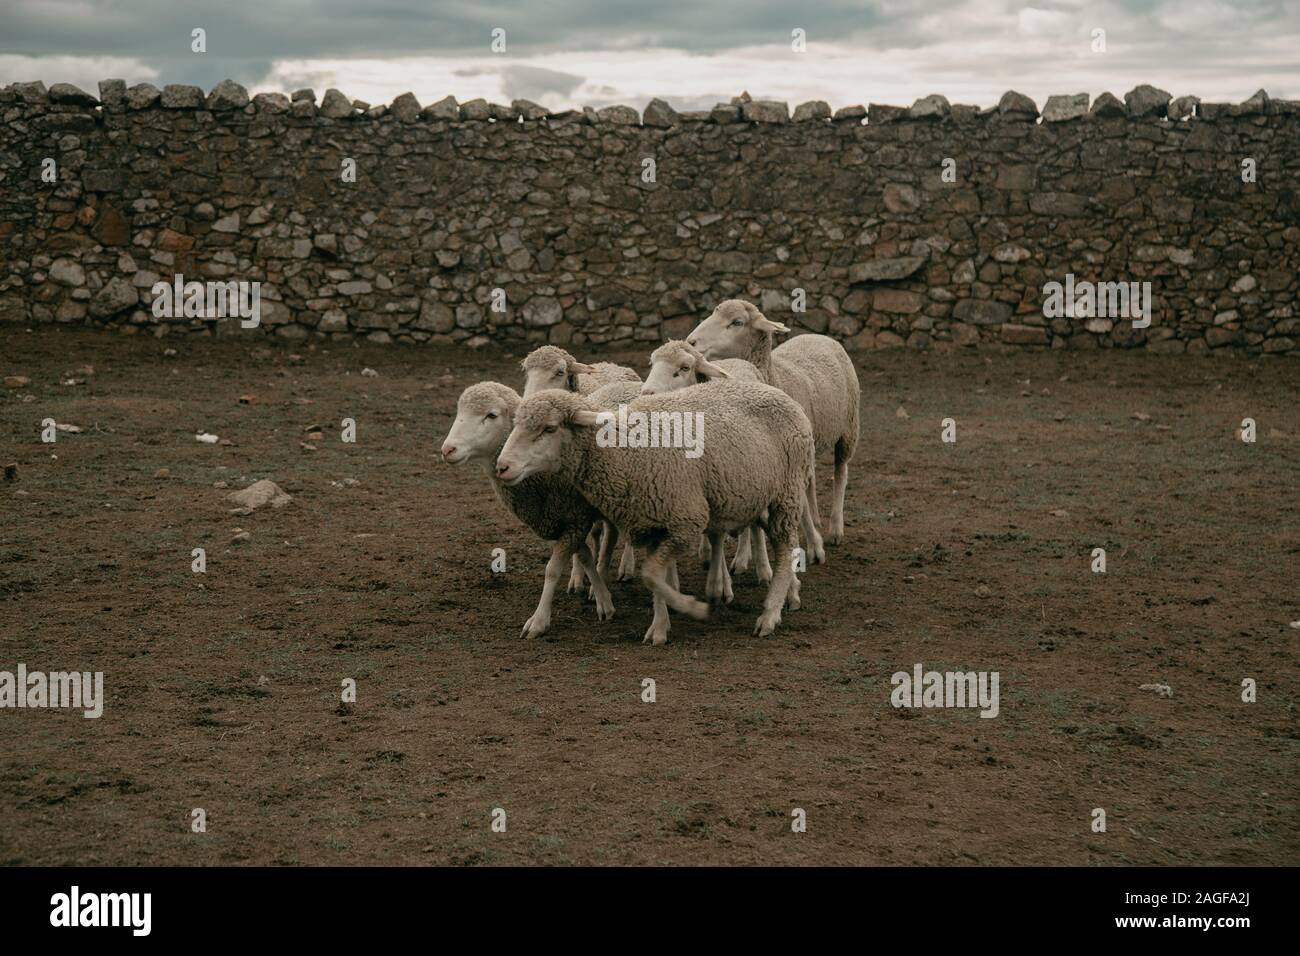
(837, 496)
(541, 619)
(657, 632)
(812, 495)
(604, 603)
(812, 537)
(779, 588)
(575, 574)
(627, 564)
(608, 544)
(705, 552)
(654, 573)
(718, 586)
(792, 596)
(761, 565)
(725, 574)
(712, 590)
(743, 551)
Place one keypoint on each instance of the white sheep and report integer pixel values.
(816, 372)
(548, 504)
(756, 458)
(551, 367)
(675, 365)
(609, 397)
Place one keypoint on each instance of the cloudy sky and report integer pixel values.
(693, 53)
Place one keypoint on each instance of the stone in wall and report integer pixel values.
(478, 222)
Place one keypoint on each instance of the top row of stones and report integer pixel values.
(1140, 102)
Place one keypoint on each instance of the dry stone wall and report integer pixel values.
(933, 226)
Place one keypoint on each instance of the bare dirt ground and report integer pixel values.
(223, 689)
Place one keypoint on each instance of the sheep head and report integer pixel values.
(484, 415)
(544, 426)
(552, 367)
(678, 364)
(735, 329)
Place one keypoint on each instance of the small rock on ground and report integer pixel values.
(261, 493)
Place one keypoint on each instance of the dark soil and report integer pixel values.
(223, 689)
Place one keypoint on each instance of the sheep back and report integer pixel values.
(739, 370)
(616, 393)
(757, 448)
(605, 373)
(817, 373)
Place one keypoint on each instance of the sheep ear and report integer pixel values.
(586, 418)
(580, 368)
(764, 324)
(710, 371)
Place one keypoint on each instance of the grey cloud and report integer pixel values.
(532, 83)
(1151, 39)
(240, 29)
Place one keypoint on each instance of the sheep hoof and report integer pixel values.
(719, 596)
(534, 627)
(835, 537)
(604, 610)
(738, 566)
(819, 554)
(792, 595)
(728, 595)
(696, 609)
(654, 637)
(764, 575)
(767, 623)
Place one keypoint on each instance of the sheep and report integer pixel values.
(615, 394)
(676, 364)
(609, 397)
(548, 504)
(760, 450)
(551, 367)
(816, 372)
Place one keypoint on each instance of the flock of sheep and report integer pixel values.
(769, 413)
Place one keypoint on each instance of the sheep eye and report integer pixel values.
(735, 324)
(557, 374)
(685, 368)
(490, 415)
(549, 430)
